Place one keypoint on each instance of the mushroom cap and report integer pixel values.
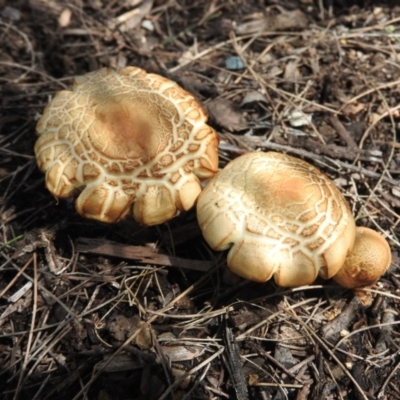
(126, 141)
(370, 259)
(279, 216)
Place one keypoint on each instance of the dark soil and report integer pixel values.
(96, 311)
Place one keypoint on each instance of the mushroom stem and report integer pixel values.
(368, 261)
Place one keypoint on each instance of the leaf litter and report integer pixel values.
(98, 311)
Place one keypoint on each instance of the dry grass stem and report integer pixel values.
(99, 311)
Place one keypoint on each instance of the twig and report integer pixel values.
(381, 393)
(327, 349)
(145, 255)
(33, 321)
(136, 333)
(342, 131)
(234, 365)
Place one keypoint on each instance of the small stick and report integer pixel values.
(143, 254)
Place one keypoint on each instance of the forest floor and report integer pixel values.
(99, 311)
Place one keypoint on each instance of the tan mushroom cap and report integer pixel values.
(126, 142)
(280, 217)
(370, 259)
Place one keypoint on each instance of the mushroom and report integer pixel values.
(280, 217)
(369, 260)
(126, 141)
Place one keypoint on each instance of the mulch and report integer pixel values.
(96, 311)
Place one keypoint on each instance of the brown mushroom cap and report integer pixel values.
(279, 216)
(368, 261)
(123, 138)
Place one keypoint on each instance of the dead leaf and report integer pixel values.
(122, 327)
(305, 391)
(180, 373)
(122, 362)
(182, 353)
(226, 114)
(253, 97)
(281, 22)
(292, 73)
(352, 109)
(132, 18)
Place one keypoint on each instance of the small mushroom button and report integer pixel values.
(370, 259)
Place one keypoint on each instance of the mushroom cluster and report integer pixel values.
(126, 142)
(280, 216)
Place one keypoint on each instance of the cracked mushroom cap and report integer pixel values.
(370, 259)
(279, 216)
(126, 142)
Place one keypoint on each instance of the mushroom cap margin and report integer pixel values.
(120, 137)
(278, 216)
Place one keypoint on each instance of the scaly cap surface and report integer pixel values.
(280, 217)
(126, 142)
